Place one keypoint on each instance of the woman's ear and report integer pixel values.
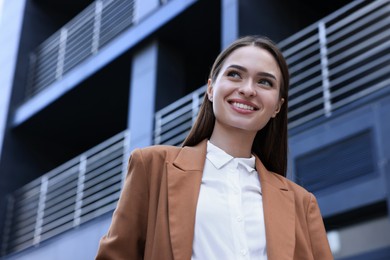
(278, 107)
(210, 90)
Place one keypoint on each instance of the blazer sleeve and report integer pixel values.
(319, 241)
(126, 236)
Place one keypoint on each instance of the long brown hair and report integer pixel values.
(270, 143)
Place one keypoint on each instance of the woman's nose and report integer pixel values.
(247, 90)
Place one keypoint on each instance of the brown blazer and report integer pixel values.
(155, 215)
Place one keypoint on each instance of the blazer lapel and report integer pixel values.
(184, 179)
(279, 215)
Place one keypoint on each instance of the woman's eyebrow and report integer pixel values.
(266, 74)
(263, 74)
(238, 67)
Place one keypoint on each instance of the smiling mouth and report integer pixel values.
(243, 106)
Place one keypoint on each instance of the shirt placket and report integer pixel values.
(236, 212)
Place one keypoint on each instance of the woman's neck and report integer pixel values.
(236, 143)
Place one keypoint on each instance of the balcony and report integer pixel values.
(82, 37)
(77, 191)
(102, 33)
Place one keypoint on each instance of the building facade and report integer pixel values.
(83, 83)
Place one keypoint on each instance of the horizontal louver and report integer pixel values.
(336, 163)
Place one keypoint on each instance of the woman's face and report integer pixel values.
(245, 94)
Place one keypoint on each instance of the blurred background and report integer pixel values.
(83, 83)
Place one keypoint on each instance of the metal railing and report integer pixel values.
(334, 62)
(339, 59)
(173, 122)
(69, 195)
(79, 39)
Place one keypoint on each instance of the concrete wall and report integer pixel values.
(10, 33)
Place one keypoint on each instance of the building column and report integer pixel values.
(229, 22)
(143, 85)
(142, 96)
(10, 33)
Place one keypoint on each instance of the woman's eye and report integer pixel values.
(234, 74)
(265, 82)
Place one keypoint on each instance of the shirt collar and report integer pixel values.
(248, 163)
(219, 158)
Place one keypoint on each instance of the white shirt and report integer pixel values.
(229, 216)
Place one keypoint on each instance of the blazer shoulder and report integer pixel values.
(169, 152)
(163, 152)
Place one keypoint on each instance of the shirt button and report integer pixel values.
(239, 218)
(243, 252)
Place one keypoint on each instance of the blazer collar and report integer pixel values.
(191, 158)
(184, 179)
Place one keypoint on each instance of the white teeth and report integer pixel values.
(242, 106)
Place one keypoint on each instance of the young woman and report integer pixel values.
(223, 194)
